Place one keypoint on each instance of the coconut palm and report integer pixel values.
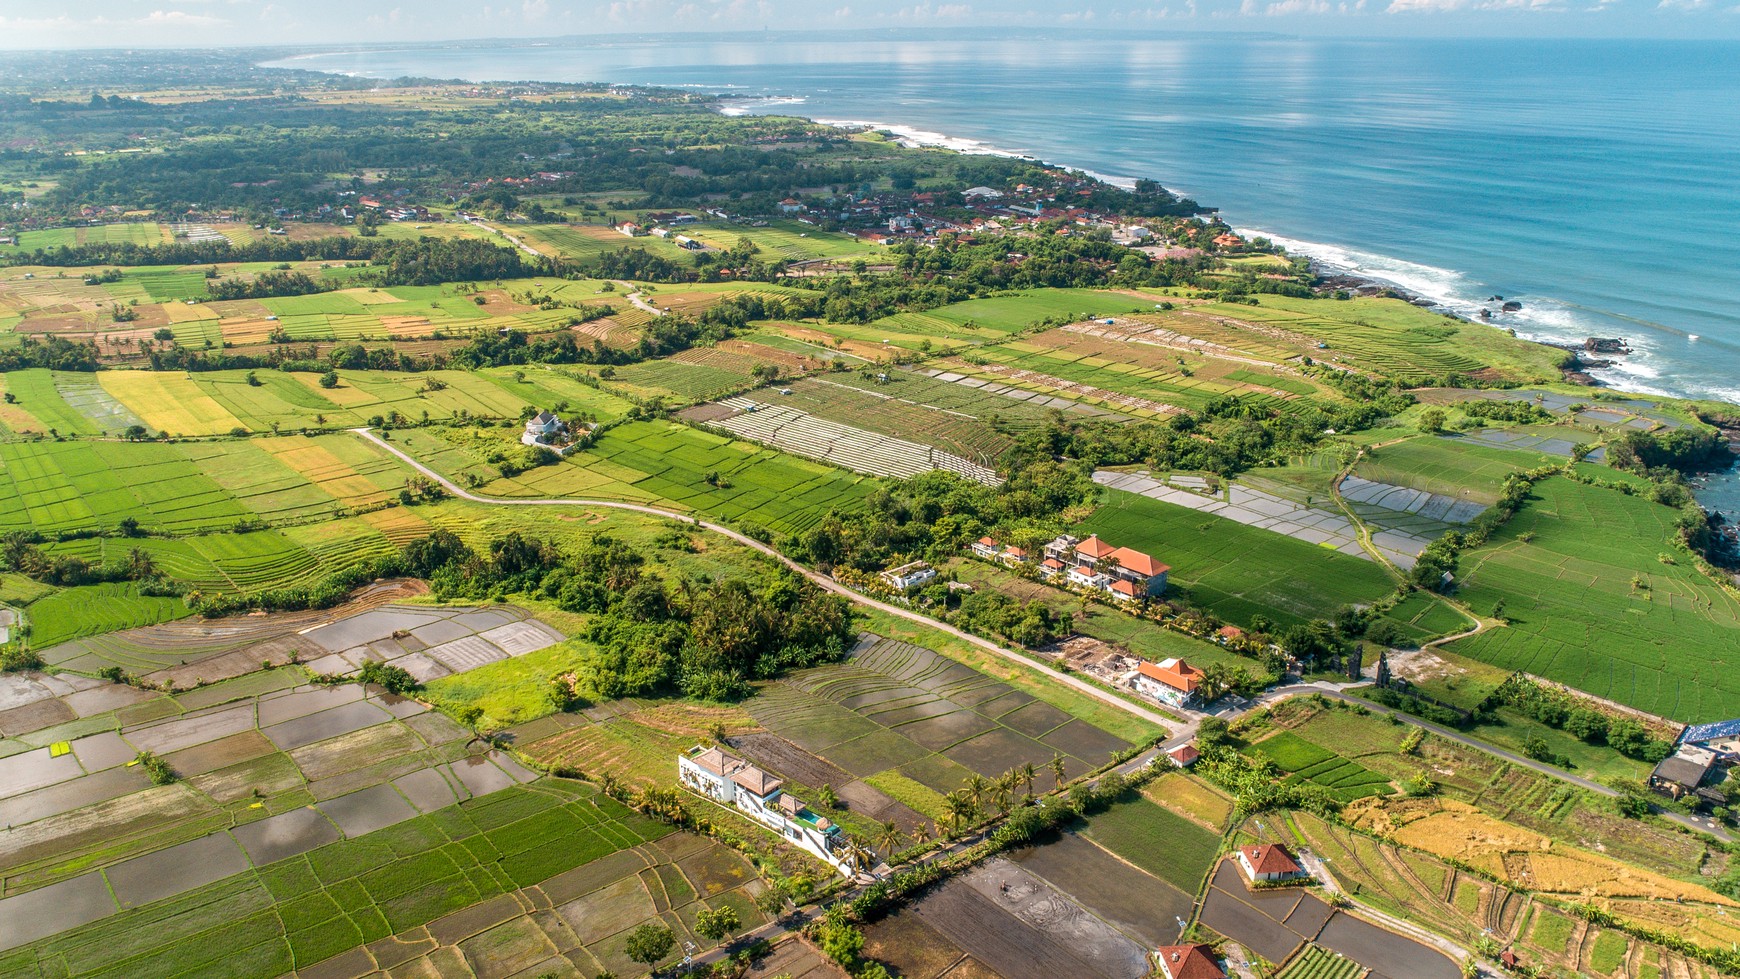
(977, 787)
(1003, 791)
(1028, 774)
(959, 807)
(889, 839)
(1057, 769)
(856, 855)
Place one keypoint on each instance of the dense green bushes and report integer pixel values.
(705, 639)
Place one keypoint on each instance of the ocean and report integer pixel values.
(1593, 181)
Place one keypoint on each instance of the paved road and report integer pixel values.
(641, 304)
(1282, 693)
(1179, 731)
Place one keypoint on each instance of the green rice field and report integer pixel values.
(1661, 645)
(1157, 840)
(1234, 570)
(1307, 762)
(667, 464)
(1447, 467)
(142, 233)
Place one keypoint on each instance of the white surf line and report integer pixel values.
(1179, 730)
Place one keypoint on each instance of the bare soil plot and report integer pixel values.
(1023, 929)
(910, 947)
(1136, 903)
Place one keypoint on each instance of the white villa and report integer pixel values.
(909, 576)
(731, 781)
(543, 429)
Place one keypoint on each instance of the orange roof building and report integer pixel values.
(1170, 681)
(1095, 549)
(1188, 962)
(1268, 862)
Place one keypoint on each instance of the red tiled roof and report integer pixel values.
(1189, 962)
(1138, 562)
(1175, 673)
(1270, 859)
(1184, 754)
(1052, 564)
(1229, 632)
(1094, 548)
(1129, 588)
(988, 542)
(1014, 551)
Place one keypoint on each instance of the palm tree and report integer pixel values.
(1003, 790)
(889, 839)
(959, 807)
(1216, 679)
(976, 788)
(856, 855)
(1028, 774)
(1057, 769)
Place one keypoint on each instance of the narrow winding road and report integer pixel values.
(1179, 731)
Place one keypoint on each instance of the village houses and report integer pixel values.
(1125, 574)
(1188, 962)
(545, 429)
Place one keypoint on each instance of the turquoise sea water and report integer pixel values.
(1598, 182)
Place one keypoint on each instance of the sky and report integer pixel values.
(38, 24)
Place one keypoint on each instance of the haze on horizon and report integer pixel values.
(44, 24)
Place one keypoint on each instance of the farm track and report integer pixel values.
(1179, 732)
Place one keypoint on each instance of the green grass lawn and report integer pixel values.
(1237, 571)
(1663, 645)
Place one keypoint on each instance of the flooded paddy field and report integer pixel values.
(318, 829)
(1273, 923)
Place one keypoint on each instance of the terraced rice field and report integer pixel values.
(1390, 338)
(848, 446)
(1307, 762)
(306, 821)
(954, 431)
(1400, 882)
(1455, 469)
(898, 706)
(693, 375)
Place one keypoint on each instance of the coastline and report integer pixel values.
(1422, 285)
